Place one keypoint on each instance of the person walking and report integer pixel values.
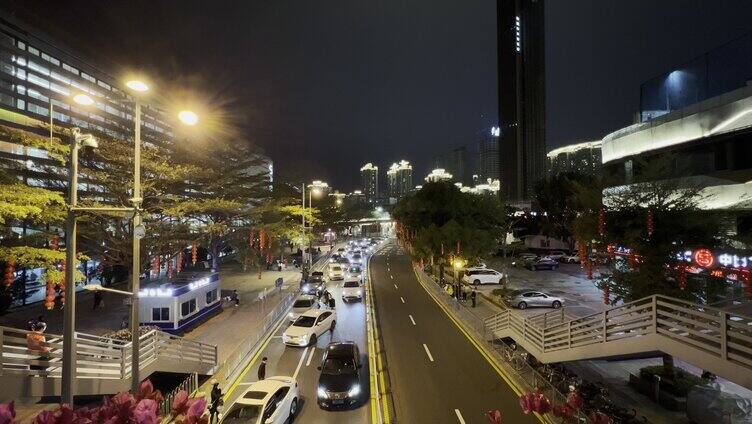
(236, 297)
(98, 300)
(216, 402)
(262, 369)
(473, 296)
(37, 343)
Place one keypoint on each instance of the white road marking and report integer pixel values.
(300, 363)
(428, 352)
(308, 362)
(412, 320)
(391, 276)
(402, 299)
(459, 416)
(246, 383)
(395, 286)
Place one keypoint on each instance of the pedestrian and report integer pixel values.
(236, 297)
(216, 402)
(98, 299)
(124, 322)
(37, 343)
(30, 324)
(473, 296)
(262, 369)
(331, 302)
(464, 293)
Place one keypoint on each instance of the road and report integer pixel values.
(302, 362)
(437, 375)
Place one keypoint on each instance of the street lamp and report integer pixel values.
(457, 264)
(188, 117)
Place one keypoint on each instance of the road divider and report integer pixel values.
(380, 397)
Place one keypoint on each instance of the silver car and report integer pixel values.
(523, 299)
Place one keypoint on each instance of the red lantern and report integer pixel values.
(55, 243)
(597, 417)
(194, 254)
(581, 252)
(606, 294)
(169, 268)
(49, 297)
(494, 417)
(180, 262)
(602, 222)
(563, 411)
(682, 268)
(649, 222)
(526, 403)
(62, 285)
(155, 266)
(541, 404)
(574, 400)
(589, 269)
(10, 269)
(262, 239)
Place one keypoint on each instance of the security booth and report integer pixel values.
(180, 303)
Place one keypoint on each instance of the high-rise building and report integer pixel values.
(458, 165)
(437, 175)
(488, 156)
(370, 174)
(522, 96)
(400, 180)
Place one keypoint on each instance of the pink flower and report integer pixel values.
(180, 403)
(45, 417)
(197, 407)
(146, 412)
(7, 413)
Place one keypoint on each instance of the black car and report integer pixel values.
(314, 285)
(339, 382)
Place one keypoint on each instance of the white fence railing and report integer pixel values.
(715, 337)
(96, 357)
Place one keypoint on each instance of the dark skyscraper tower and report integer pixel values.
(522, 96)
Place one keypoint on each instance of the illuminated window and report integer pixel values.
(50, 59)
(37, 95)
(38, 81)
(104, 84)
(70, 69)
(59, 89)
(20, 104)
(160, 314)
(88, 77)
(21, 45)
(59, 77)
(38, 109)
(33, 51)
(38, 68)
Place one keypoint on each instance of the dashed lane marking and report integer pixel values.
(402, 299)
(412, 320)
(428, 352)
(300, 363)
(308, 362)
(459, 416)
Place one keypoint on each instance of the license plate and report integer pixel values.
(338, 401)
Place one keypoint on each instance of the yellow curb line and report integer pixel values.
(480, 349)
(377, 377)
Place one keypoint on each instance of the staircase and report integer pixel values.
(103, 365)
(709, 338)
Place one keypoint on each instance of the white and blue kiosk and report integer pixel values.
(180, 303)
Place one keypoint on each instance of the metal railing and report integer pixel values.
(96, 357)
(714, 338)
(190, 385)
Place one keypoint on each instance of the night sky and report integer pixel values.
(325, 86)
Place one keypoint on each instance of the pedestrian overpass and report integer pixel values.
(103, 365)
(712, 339)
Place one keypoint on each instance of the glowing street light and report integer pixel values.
(458, 263)
(137, 85)
(188, 117)
(83, 99)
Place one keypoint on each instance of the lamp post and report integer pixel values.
(457, 264)
(78, 140)
(302, 240)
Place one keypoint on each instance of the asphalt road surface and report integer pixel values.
(437, 375)
(301, 362)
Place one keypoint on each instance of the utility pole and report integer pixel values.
(136, 265)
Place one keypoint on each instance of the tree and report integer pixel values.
(655, 218)
(558, 197)
(439, 218)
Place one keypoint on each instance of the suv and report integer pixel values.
(339, 381)
(541, 263)
(483, 276)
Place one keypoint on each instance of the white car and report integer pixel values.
(555, 255)
(483, 276)
(303, 304)
(570, 259)
(309, 326)
(336, 272)
(273, 400)
(352, 290)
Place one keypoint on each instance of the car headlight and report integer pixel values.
(291, 315)
(304, 338)
(354, 391)
(321, 392)
(360, 293)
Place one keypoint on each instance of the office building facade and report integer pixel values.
(580, 158)
(488, 157)
(522, 96)
(370, 175)
(399, 179)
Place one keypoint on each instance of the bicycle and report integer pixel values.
(517, 359)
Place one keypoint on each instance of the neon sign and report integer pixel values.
(704, 258)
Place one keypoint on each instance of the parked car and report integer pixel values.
(309, 326)
(351, 290)
(570, 259)
(541, 263)
(523, 299)
(303, 304)
(483, 276)
(339, 381)
(523, 258)
(555, 254)
(273, 400)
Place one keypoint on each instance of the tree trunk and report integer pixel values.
(214, 250)
(668, 365)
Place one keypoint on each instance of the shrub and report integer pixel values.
(678, 385)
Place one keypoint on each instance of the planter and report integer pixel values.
(665, 399)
